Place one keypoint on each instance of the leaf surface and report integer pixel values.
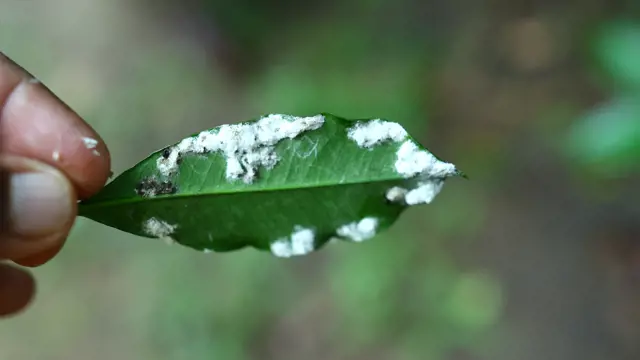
(280, 183)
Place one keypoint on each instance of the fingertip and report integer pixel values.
(38, 125)
(39, 211)
(40, 258)
(32, 252)
(35, 123)
(17, 289)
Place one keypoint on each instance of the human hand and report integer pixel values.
(49, 158)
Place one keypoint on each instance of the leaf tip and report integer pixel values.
(461, 174)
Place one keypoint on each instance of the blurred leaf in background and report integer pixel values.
(606, 139)
(617, 50)
(348, 70)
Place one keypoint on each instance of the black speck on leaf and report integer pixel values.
(151, 187)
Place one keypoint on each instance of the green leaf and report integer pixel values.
(617, 48)
(281, 183)
(607, 138)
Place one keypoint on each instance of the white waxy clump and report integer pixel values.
(424, 193)
(375, 132)
(412, 161)
(56, 156)
(396, 194)
(281, 248)
(91, 144)
(359, 231)
(301, 242)
(159, 229)
(246, 147)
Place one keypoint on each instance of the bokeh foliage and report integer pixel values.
(607, 138)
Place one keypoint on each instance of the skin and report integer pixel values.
(34, 124)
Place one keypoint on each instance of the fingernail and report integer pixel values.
(39, 203)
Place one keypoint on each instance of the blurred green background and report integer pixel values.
(536, 257)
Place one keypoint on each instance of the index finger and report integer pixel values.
(35, 124)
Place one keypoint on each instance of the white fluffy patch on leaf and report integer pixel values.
(424, 193)
(375, 132)
(396, 194)
(301, 242)
(160, 229)
(359, 231)
(247, 147)
(412, 161)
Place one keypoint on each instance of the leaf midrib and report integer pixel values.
(132, 200)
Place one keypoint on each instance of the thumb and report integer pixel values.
(37, 208)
